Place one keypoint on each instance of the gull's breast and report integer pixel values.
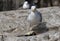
(34, 18)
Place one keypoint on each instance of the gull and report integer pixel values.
(26, 5)
(34, 17)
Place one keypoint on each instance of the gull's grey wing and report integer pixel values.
(40, 16)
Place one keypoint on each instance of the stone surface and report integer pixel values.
(14, 23)
(12, 20)
(41, 37)
(1, 38)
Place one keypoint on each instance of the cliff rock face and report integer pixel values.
(14, 23)
(15, 4)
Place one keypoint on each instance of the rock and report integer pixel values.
(51, 17)
(13, 23)
(11, 20)
(19, 38)
(39, 37)
(17, 19)
(1, 38)
(48, 36)
(55, 36)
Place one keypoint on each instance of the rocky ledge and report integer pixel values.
(14, 23)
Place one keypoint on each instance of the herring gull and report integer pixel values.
(34, 18)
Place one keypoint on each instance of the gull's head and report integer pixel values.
(26, 2)
(33, 8)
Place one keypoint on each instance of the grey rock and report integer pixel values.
(1, 38)
(40, 37)
(13, 23)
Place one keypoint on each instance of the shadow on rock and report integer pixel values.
(40, 28)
